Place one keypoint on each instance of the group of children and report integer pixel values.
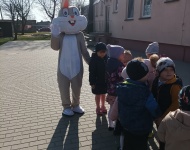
(140, 92)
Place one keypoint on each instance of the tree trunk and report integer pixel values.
(16, 29)
(23, 25)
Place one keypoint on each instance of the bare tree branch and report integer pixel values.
(22, 8)
(50, 7)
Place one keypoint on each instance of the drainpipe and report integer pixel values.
(183, 23)
(1, 13)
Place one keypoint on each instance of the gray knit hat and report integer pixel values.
(163, 63)
(114, 51)
(153, 48)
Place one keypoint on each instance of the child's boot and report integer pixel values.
(99, 111)
(104, 110)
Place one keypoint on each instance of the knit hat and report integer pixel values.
(153, 48)
(184, 98)
(114, 51)
(136, 69)
(100, 46)
(163, 63)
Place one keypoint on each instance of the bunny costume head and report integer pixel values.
(69, 19)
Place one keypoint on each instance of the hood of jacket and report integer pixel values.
(178, 125)
(113, 64)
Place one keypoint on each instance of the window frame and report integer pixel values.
(168, 1)
(127, 14)
(143, 9)
(115, 6)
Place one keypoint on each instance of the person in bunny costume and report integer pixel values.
(66, 36)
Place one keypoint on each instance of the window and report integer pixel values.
(115, 6)
(102, 8)
(146, 11)
(130, 9)
(167, 1)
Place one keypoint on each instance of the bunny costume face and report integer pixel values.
(69, 20)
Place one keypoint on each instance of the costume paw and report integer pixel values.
(68, 112)
(78, 109)
(55, 29)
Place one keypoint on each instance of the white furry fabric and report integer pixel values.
(70, 61)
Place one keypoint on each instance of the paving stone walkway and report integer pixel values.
(30, 106)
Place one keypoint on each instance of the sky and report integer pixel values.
(39, 15)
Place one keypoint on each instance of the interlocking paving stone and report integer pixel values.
(30, 105)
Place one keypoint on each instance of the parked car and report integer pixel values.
(44, 29)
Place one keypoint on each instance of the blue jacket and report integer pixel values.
(136, 107)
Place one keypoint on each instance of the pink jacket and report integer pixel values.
(114, 111)
(151, 73)
(174, 130)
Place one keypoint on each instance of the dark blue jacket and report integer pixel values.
(136, 107)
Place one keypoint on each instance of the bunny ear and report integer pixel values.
(65, 4)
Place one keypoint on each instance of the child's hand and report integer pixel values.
(93, 86)
(110, 99)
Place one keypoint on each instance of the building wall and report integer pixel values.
(186, 29)
(166, 24)
(7, 28)
(169, 24)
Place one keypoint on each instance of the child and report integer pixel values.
(151, 63)
(153, 48)
(136, 106)
(127, 57)
(113, 70)
(114, 112)
(165, 88)
(97, 76)
(174, 130)
(151, 52)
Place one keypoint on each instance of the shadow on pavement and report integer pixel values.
(65, 136)
(101, 135)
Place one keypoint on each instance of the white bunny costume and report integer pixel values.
(69, 40)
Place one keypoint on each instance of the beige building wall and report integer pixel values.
(186, 27)
(169, 25)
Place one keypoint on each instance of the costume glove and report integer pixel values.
(55, 30)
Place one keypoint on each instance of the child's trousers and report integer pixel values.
(134, 141)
